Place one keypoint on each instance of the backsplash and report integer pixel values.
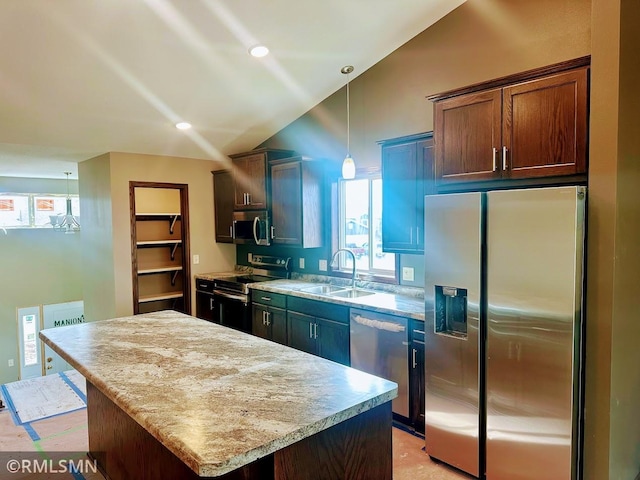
(312, 257)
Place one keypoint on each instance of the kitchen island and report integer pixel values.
(172, 396)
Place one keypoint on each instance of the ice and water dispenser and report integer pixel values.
(451, 311)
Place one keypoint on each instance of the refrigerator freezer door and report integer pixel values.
(534, 297)
(453, 232)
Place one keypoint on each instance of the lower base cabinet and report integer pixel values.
(268, 316)
(319, 328)
(416, 376)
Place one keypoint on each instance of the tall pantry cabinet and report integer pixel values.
(160, 247)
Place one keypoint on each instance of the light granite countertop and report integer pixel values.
(383, 302)
(215, 397)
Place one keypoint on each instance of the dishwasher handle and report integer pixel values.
(378, 324)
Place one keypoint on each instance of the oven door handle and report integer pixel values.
(231, 296)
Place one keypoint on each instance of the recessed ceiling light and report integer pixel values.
(259, 51)
(183, 126)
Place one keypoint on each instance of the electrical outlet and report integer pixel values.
(301, 263)
(322, 265)
(10, 362)
(407, 274)
(196, 259)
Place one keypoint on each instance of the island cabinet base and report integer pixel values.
(357, 449)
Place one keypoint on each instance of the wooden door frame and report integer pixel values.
(184, 232)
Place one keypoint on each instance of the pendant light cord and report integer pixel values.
(348, 119)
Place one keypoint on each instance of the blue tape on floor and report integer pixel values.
(32, 433)
(73, 387)
(10, 405)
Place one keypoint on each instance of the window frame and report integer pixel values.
(337, 224)
(31, 207)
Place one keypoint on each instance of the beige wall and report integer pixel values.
(120, 169)
(612, 444)
(37, 267)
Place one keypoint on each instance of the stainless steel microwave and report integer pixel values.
(251, 227)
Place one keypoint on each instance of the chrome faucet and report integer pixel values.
(353, 258)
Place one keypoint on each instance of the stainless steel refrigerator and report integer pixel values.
(503, 343)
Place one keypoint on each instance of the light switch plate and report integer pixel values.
(196, 259)
(407, 274)
(301, 263)
(322, 265)
(10, 362)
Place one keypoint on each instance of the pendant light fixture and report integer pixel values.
(66, 223)
(348, 165)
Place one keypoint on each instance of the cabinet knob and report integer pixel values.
(49, 359)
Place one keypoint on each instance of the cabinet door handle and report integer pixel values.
(315, 330)
(211, 304)
(248, 199)
(417, 235)
(268, 319)
(504, 157)
(263, 322)
(231, 231)
(495, 165)
(310, 330)
(413, 358)
(410, 234)
(273, 232)
(266, 299)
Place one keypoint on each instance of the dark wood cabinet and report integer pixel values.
(525, 126)
(301, 332)
(416, 376)
(407, 176)
(250, 177)
(205, 306)
(333, 340)
(223, 203)
(319, 328)
(296, 202)
(269, 317)
(468, 137)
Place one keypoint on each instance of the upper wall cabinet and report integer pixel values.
(250, 176)
(407, 176)
(296, 202)
(223, 205)
(525, 126)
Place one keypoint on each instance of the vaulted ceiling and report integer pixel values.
(79, 78)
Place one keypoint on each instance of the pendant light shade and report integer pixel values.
(67, 223)
(348, 168)
(348, 165)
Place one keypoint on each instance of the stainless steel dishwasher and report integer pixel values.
(380, 346)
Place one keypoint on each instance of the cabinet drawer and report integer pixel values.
(204, 285)
(331, 311)
(417, 330)
(268, 298)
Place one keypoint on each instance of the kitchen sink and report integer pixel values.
(323, 289)
(351, 293)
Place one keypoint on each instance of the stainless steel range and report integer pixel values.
(226, 300)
